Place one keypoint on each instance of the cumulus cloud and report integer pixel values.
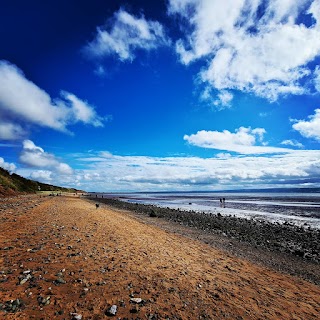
(124, 173)
(11, 131)
(223, 155)
(224, 99)
(242, 141)
(292, 143)
(103, 171)
(256, 46)
(35, 157)
(41, 175)
(220, 100)
(6, 165)
(309, 128)
(124, 34)
(23, 102)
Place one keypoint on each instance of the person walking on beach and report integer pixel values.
(224, 202)
(220, 203)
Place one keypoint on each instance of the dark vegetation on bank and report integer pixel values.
(12, 184)
(286, 238)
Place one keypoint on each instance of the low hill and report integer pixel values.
(12, 184)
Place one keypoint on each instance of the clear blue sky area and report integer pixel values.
(161, 95)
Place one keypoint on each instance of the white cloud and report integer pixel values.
(311, 128)
(35, 157)
(317, 78)
(315, 11)
(242, 141)
(82, 111)
(26, 103)
(41, 175)
(125, 173)
(224, 99)
(11, 131)
(107, 172)
(11, 167)
(263, 51)
(223, 155)
(124, 34)
(63, 168)
(292, 143)
(219, 100)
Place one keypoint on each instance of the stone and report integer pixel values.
(136, 300)
(26, 272)
(60, 281)
(112, 311)
(76, 316)
(43, 301)
(12, 305)
(24, 280)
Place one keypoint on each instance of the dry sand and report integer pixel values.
(87, 259)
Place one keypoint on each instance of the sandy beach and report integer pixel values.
(61, 258)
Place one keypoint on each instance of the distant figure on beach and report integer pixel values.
(220, 203)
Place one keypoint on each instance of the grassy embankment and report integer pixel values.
(13, 184)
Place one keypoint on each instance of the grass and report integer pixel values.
(11, 183)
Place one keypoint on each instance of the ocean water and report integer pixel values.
(301, 209)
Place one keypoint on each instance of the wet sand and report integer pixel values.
(63, 259)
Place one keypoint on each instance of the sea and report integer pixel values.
(298, 208)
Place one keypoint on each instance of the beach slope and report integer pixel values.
(62, 258)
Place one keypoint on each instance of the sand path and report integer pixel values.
(87, 259)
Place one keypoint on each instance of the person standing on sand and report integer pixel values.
(224, 202)
(220, 203)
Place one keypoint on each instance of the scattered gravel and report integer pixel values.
(285, 247)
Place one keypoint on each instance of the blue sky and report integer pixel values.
(161, 95)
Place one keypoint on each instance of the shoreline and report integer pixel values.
(282, 247)
(298, 209)
(270, 213)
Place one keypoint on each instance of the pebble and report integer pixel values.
(24, 280)
(112, 311)
(44, 301)
(11, 305)
(136, 300)
(60, 281)
(76, 316)
(286, 237)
